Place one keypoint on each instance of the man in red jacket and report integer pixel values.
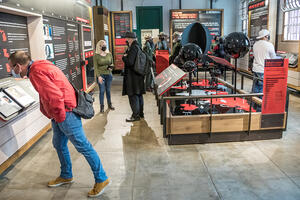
(57, 99)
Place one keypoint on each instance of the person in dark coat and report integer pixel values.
(149, 50)
(219, 50)
(133, 83)
(176, 47)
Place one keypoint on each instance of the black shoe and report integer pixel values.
(142, 115)
(111, 107)
(102, 108)
(133, 119)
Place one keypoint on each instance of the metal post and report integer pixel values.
(242, 82)
(190, 83)
(101, 3)
(164, 119)
(197, 74)
(250, 112)
(210, 118)
(122, 5)
(205, 79)
(232, 77)
(287, 107)
(235, 75)
(180, 5)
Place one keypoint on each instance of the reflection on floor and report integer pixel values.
(142, 166)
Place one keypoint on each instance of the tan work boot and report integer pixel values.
(60, 181)
(99, 188)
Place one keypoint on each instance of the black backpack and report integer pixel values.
(142, 61)
(84, 106)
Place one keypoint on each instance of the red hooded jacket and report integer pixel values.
(56, 93)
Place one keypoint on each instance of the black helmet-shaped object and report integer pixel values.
(190, 52)
(237, 44)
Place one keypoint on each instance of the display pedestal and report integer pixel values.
(162, 60)
(19, 133)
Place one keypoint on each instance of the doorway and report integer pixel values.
(148, 17)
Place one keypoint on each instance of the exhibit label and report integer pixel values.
(275, 86)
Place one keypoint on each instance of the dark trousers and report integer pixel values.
(137, 105)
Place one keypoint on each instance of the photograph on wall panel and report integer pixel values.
(62, 47)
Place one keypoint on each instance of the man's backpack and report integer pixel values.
(84, 106)
(141, 65)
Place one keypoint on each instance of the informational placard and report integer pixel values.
(13, 37)
(211, 18)
(121, 21)
(56, 42)
(275, 86)
(88, 54)
(167, 78)
(259, 12)
(74, 54)
(62, 47)
(8, 107)
(19, 95)
(121, 24)
(181, 19)
(87, 38)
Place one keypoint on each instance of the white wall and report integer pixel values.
(231, 11)
(231, 8)
(194, 4)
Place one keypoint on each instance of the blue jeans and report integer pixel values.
(105, 87)
(257, 86)
(137, 105)
(71, 129)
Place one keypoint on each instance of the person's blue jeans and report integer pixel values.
(71, 129)
(137, 105)
(105, 87)
(257, 86)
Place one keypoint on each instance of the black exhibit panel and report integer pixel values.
(88, 54)
(62, 47)
(13, 37)
(212, 19)
(87, 38)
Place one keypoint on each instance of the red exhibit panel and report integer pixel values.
(119, 50)
(275, 86)
(119, 64)
(120, 41)
(162, 60)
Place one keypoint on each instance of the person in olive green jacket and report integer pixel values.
(103, 65)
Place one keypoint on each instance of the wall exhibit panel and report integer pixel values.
(13, 36)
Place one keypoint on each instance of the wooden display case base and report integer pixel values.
(203, 138)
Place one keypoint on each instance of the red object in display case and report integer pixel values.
(162, 60)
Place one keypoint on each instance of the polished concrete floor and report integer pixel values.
(142, 166)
